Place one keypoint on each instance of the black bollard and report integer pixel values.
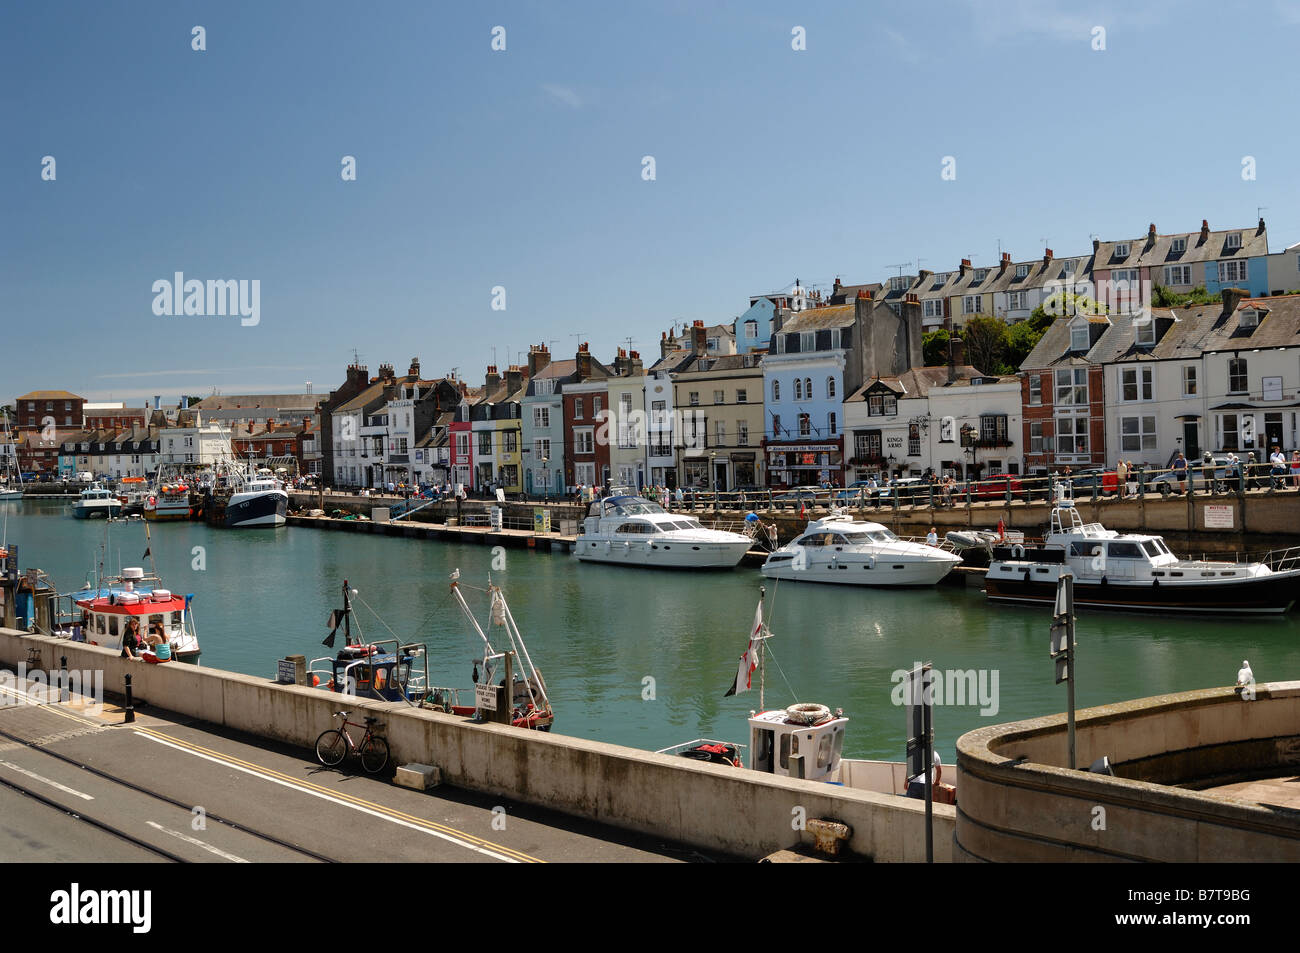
(64, 694)
(129, 709)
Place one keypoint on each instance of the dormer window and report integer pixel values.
(1233, 241)
(1250, 318)
(1079, 336)
(981, 274)
(1122, 250)
(1178, 246)
(1022, 271)
(897, 284)
(1145, 332)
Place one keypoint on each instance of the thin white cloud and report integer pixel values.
(1289, 11)
(562, 94)
(200, 370)
(905, 50)
(998, 20)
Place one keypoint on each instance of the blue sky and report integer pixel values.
(523, 168)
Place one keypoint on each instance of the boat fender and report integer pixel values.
(1017, 551)
(1026, 575)
(1155, 583)
(1103, 580)
(808, 714)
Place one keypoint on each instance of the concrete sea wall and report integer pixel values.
(738, 812)
(1020, 803)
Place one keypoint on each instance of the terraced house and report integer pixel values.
(719, 405)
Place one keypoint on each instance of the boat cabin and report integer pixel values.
(803, 741)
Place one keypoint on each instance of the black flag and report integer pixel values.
(146, 552)
(336, 619)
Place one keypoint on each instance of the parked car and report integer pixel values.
(906, 489)
(994, 486)
(793, 499)
(1166, 481)
(859, 490)
(1106, 482)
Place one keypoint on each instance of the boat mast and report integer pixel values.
(762, 649)
(347, 615)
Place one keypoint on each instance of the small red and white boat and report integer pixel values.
(108, 610)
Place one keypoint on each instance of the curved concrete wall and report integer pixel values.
(1019, 802)
(743, 813)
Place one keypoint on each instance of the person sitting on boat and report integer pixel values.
(155, 635)
(131, 640)
(932, 537)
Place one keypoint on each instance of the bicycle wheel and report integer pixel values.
(331, 747)
(374, 755)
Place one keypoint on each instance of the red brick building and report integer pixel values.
(586, 396)
(272, 439)
(65, 408)
(1063, 397)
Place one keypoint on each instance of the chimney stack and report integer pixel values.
(386, 372)
(414, 370)
(1231, 298)
(699, 339)
(1096, 244)
(634, 366)
(358, 375)
(583, 360)
(1205, 231)
(270, 424)
(491, 381)
(514, 378)
(1260, 229)
(538, 358)
(1047, 254)
(1006, 260)
(1151, 235)
(965, 266)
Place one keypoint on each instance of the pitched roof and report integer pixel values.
(262, 401)
(919, 381)
(816, 319)
(49, 395)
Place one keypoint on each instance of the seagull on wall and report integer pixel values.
(1245, 676)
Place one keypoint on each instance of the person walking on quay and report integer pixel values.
(1121, 478)
(1180, 471)
(1280, 469)
(1295, 468)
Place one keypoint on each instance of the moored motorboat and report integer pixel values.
(803, 741)
(839, 549)
(96, 501)
(1136, 572)
(108, 608)
(632, 531)
(257, 499)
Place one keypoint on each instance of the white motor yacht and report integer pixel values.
(636, 532)
(839, 549)
(97, 500)
(1136, 571)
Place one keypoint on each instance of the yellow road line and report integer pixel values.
(370, 807)
(52, 706)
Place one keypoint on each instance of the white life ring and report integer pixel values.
(1017, 551)
(808, 714)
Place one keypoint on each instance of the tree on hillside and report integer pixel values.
(934, 347)
(1021, 339)
(986, 341)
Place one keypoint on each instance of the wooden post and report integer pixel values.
(505, 693)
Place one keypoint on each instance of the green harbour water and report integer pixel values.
(598, 633)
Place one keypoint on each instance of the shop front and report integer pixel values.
(801, 463)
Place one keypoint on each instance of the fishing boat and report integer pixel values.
(839, 549)
(1137, 572)
(109, 606)
(97, 501)
(392, 670)
(802, 740)
(633, 531)
(169, 499)
(257, 499)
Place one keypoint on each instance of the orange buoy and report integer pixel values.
(315, 681)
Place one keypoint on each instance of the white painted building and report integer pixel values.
(963, 424)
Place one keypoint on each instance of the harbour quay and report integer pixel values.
(1194, 776)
